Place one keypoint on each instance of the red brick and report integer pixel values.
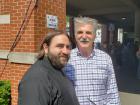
(31, 37)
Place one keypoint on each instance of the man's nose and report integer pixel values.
(84, 35)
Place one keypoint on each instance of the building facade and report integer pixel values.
(22, 27)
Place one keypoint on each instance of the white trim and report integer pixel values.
(19, 57)
(3, 54)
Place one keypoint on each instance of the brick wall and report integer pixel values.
(30, 37)
(5, 28)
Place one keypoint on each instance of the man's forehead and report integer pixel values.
(60, 39)
(88, 26)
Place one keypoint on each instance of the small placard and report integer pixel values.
(52, 21)
(111, 27)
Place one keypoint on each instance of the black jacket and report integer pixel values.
(44, 85)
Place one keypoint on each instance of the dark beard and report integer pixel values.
(55, 61)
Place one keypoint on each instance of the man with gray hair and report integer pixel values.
(91, 70)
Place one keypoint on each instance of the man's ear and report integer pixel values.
(45, 47)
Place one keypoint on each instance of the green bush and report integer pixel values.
(5, 92)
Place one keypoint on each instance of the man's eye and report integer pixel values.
(88, 32)
(80, 32)
(60, 46)
(69, 47)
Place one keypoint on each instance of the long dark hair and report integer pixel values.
(47, 40)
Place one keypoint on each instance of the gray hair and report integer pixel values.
(86, 20)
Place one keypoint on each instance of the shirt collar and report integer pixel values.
(79, 53)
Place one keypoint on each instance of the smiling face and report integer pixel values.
(84, 36)
(58, 51)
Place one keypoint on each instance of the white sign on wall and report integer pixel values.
(52, 21)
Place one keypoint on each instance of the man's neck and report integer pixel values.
(85, 52)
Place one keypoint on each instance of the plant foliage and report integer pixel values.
(5, 92)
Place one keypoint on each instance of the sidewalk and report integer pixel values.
(129, 98)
